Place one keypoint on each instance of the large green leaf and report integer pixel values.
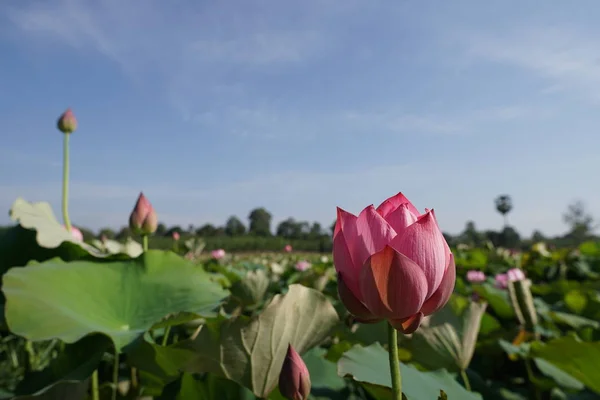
(251, 351)
(579, 359)
(121, 299)
(51, 234)
(63, 377)
(252, 288)
(448, 340)
(370, 364)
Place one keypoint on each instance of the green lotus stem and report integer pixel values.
(465, 379)
(394, 363)
(65, 188)
(115, 375)
(145, 242)
(166, 336)
(95, 389)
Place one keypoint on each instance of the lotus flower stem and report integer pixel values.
(166, 336)
(465, 379)
(65, 188)
(115, 375)
(95, 390)
(394, 363)
(145, 242)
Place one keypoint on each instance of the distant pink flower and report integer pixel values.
(501, 281)
(288, 248)
(474, 276)
(176, 235)
(515, 274)
(302, 265)
(217, 254)
(76, 233)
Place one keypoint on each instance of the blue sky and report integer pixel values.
(214, 108)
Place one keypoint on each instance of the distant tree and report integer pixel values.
(471, 236)
(315, 230)
(109, 233)
(161, 229)
(87, 233)
(537, 236)
(579, 220)
(287, 228)
(260, 222)
(234, 227)
(510, 238)
(190, 228)
(206, 230)
(503, 206)
(123, 233)
(332, 227)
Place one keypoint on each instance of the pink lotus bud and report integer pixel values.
(143, 219)
(475, 276)
(76, 233)
(395, 262)
(302, 265)
(176, 236)
(67, 123)
(501, 281)
(217, 254)
(515, 274)
(294, 379)
(288, 248)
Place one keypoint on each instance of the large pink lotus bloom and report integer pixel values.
(302, 265)
(294, 378)
(76, 233)
(67, 123)
(143, 219)
(288, 248)
(474, 276)
(217, 254)
(393, 263)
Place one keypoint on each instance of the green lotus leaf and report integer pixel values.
(121, 299)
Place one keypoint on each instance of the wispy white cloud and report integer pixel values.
(569, 58)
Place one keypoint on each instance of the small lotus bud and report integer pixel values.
(143, 219)
(176, 236)
(288, 248)
(76, 233)
(67, 123)
(217, 254)
(294, 379)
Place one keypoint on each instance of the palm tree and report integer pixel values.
(504, 205)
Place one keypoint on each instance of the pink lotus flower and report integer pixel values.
(288, 248)
(393, 263)
(474, 276)
(294, 378)
(176, 236)
(217, 254)
(143, 219)
(67, 123)
(302, 265)
(76, 233)
(514, 274)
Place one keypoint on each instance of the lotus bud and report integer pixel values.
(67, 123)
(176, 236)
(302, 265)
(294, 379)
(217, 254)
(522, 301)
(288, 248)
(143, 219)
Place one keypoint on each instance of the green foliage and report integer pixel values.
(219, 329)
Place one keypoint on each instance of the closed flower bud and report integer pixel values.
(67, 123)
(294, 379)
(176, 236)
(143, 219)
(393, 263)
